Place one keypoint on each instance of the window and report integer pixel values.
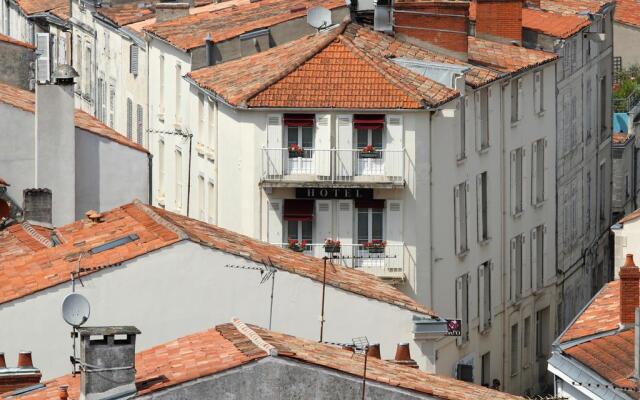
(178, 169)
(161, 84)
(627, 193)
(537, 171)
(133, 59)
(514, 349)
(201, 123)
(602, 192)
(462, 142)
(100, 100)
(370, 224)
(211, 205)
(516, 181)
(140, 125)
(300, 231)
(526, 337)
(603, 108)
(537, 256)
(517, 247)
(460, 218)
(542, 334)
(587, 113)
(482, 120)
(301, 136)
(587, 211)
(484, 295)
(201, 197)
(212, 123)
(538, 94)
(365, 137)
(481, 198)
(516, 100)
(178, 94)
(129, 119)
(112, 104)
(485, 378)
(161, 169)
(570, 211)
(87, 70)
(462, 306)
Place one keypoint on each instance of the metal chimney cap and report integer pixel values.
(64, 72)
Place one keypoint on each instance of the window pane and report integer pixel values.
(292, 135)
(307, 137)
(307, 230)
(362, 137)
(376, 224)
(292, 230)
(376, 138)
(363, 225)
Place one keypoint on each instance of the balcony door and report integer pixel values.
(301, 161)
(372, 162)
(300, 231)
(370, 227)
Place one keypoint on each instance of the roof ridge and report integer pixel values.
(332, 35)
(160, 220)
(255, 338)
(28, 228)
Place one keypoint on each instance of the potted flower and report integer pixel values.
(369, 151)
(296, 151)
(297, 245)
(331, 246)
(375, 246)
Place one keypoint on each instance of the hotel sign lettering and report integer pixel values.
(334, 193)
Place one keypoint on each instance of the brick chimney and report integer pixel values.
(499, 20)
(21, 376)
(441, 26)
(403, 356)
(374, 351)
(629, 291)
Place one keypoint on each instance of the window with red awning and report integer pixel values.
(368, 121)
(298, 210)
(299, 119)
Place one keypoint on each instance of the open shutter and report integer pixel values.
(139, 125)
(479, 221)
(274, 221)
(322, 145)
(456, 219)
(129, 119)
(525, 271)
(464, 232)
(481, 297)
(537, 94)
(534, 172)
(514, 183)
(520, 98)
(566, 123)
(345, 154)
(133, 59)
(393, 156)
(479, 124)
(459, 300)
(534, 258)
(345, 228)
(469, 122)
(394, 222)
(513, 279)
(62, 48)
(322, 222)
(275, 152)
(43, 62)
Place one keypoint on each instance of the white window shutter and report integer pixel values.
(456, 219)
(514, 183)
(537, 92)
(129, 119)
(274, 221)
(479, 124)
(459, 339)
(394, 221)
(481, 297)
(322, 221)
(322, 144)
(534, 258)
(345, 154)
(534, 172)
(43, 62)
(479, 221)
(133, 59)
(393, 140)
(513, 263)
(520, 99)
(275, 153)
(140, 125)
(469, 128)
(345, 228)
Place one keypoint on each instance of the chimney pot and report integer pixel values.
(63, 392)
(629, 290)
(402, 352)
(3, 363)
(374, 351)
(24, 360)
(94, 216)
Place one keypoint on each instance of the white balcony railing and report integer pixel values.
(352, 165)
(387, 265)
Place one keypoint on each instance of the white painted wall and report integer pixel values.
(158, 293)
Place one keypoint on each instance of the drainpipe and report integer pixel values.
(150, 160)
(636, 347)
(430, 222)
(189, 174)
(502, 235)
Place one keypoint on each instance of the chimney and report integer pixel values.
(167, 11)
(374, 351)
(403, 356)
(107, 358)
(636, 347)
(63, 392)
(499, 20)
(22, 376)
(440, 26)
(37, 206)
(208, 48)
(55, 142)
(629, 291)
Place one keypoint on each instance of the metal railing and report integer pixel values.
(388, 264)
(628, 103)
(338, 165)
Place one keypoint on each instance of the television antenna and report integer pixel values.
(267, 271)
(361, 346)
(319, 17)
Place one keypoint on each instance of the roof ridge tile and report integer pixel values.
(160, 220)
(28, 228)
(255, 338)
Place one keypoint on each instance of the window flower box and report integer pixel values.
(331, 246)
(375, 246)
(297, 245)
(296, 151)
(369, 151)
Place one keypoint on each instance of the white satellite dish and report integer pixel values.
(75, 309)
(319, 17)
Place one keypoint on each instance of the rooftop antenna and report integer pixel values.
(268, 271)
(319, 17)
(361, 346)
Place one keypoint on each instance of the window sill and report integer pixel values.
(210, 154)
(161, 117)
(461, 160)
(200, 149)
(484, 150)
(161, 200)
(484, 241)
(539, 204)
(514, 123)
(518, 214)
(485, 331)
(541, 113)
(463, 254)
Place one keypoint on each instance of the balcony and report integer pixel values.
(331, 167)
(388, 265)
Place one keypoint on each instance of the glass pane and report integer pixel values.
(292, 135)
(362, 138)
(376, 225)
(307, 137)
(292, 230)
(376, 138)
(307, 231)
(363, 225)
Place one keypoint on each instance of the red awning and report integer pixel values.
(369, 203)
(298, 210)
(299, 119)
(368, 121)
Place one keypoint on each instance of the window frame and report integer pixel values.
(370, 212)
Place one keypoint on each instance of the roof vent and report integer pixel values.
(94, 216)
(37, 205)
(64, 75)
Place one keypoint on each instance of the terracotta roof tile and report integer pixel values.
(630, 217)
(620, 138)
(553, 24)
(225, 347)
(128, 13)
(30, 7)
(8, 39)
(189, 32)
(572, 7)
(24, 271)
(505, 57)
(25, 100)
(628, 12)
(326, 70)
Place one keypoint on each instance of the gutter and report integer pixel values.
(121, 31)
(51, 19)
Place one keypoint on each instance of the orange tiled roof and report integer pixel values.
(628, 12)
(128, 13)
(620, 138)
(8, 39)
(601, 315)
(553, 24)
(189, 32)
(506, 57)
(156, 228)
(611, 357)
(228, 346)
(326, 70)
(572, 7)
(25, 100)
(630, 217)
(58, 7)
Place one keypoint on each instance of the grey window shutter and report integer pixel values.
(139, 124)
(133, 59)
(129, 119)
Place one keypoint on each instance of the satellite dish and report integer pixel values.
(75, 309)
(319, 17)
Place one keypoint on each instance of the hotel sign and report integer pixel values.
(334, 193)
